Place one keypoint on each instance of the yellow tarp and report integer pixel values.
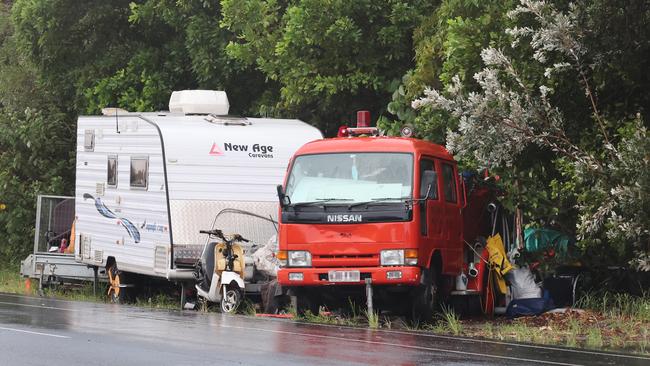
(498, 261)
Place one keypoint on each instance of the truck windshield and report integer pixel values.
(350, 177)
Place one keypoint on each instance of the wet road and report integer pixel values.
(38, 331)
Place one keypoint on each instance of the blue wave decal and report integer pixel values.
(106, 212)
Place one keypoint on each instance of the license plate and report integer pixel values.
(344, 276)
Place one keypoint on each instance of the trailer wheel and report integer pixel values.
(427, 298)
(230, 299)
(116, 292)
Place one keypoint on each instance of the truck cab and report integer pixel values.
(387, 209)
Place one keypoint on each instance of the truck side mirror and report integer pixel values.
(282, 197)
(428, 182)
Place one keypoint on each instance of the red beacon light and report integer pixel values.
(363, 127)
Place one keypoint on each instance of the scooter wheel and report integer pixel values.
(230, 299)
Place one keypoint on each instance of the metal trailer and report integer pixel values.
(54, 218)
(146, 183)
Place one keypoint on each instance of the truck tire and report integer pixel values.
(305, 301)
(426, 300)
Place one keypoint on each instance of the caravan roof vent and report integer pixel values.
(199, 102)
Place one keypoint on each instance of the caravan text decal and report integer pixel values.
(253, 151)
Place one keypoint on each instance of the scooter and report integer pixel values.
(220, 271)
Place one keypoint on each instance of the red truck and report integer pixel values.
(388, 209)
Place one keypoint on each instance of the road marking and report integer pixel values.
(36, 333)
(424, 348)
(415, 333)
(36, 306)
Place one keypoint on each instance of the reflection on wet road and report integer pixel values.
(38, 331)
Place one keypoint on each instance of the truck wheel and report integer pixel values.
(230, 299)
(305, 301)
(427, 298)
(116, 293)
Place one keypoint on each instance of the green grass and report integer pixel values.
(247, 307)
(617, 305)
(11, 282)
(451, 320)
(158, 301)
(82, 292)
(372, 318)
(594, 338)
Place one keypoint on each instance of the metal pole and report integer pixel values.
(369, 296)
(182, 295)
(95, 279)
(37, 232)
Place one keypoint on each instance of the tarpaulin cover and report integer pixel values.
(541, 239)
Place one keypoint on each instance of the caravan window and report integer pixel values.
(89, 140)
(139, 172)
(111, 175)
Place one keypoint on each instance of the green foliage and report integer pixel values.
(544, 111)
(329, 58)
(28, 141)
(131, 54)
(447, 42)
(323, 60)
(33, 129)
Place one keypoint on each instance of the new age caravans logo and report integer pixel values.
(253, 150)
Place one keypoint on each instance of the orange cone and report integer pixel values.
(28, 286)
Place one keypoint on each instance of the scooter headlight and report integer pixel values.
(299, 258)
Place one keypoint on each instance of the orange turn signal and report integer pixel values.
(410, 253)
(281, 255)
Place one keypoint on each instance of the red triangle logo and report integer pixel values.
(215, 150)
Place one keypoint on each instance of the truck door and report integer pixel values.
(431, 212)
(453, 222)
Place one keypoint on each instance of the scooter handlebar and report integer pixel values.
(215, 232)
(238, 237)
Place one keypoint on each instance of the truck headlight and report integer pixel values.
(299, 258)
(392, 257)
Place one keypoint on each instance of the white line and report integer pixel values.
(401, 345)
(36, 306)
(37, 333)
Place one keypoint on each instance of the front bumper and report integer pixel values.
(410, 276)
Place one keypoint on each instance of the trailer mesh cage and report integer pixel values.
(54, 218)
(258, 229)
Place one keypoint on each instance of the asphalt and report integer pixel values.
(40, 331)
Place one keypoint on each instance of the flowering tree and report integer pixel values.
(512, 111)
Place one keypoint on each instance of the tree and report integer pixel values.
(329, 58)
(33, 129)
(603, 160)
(131, 54)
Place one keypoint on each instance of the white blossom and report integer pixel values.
(500, 120)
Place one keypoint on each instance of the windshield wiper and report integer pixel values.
(378, 200)
(319, 201)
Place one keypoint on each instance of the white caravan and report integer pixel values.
(147, 183)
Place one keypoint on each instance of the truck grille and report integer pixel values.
(345, 260)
